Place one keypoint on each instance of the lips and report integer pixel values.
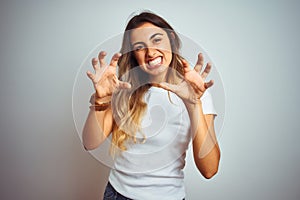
(156, 62)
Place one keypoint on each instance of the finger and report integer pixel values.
(206, 71)
(90, 75)
(101, 58)
(114, 59)
(115, 79)
(199, 63)
(186, 66)
(208, 84)
(124, 85)
(95, 64)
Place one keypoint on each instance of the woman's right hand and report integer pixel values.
(105, 79)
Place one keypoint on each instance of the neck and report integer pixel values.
(161, 77)
(158, 78)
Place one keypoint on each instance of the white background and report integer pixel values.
(254, 44)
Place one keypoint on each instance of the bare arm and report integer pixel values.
(205, 146)
(99, 124)
(97, 128)
(190, 90)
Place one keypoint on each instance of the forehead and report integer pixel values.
(145, 31)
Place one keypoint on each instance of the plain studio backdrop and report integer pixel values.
(255, 46)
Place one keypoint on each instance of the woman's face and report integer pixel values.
(152, 50)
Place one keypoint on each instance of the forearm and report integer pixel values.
(97, 127)
(205, 147)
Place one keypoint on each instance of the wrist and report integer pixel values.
(193, 106)
(96, 100)
(99, 103)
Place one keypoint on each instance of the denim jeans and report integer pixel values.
(111, 194)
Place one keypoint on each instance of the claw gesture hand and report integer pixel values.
(104, 79)
(193, 86)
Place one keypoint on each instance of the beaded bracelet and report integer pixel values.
(98, 106)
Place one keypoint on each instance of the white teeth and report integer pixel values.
(154, 62)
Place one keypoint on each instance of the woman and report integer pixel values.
(153, 110)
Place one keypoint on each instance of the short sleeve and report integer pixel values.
(207, 103)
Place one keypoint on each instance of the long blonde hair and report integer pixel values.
(128, 105)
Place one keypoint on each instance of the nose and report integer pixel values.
(151, 52)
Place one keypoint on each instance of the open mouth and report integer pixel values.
(156, 62)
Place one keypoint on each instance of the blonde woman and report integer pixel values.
(153, 109)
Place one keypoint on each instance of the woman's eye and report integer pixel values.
(137, 48)
(157, 40)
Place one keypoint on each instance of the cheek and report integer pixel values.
(168, 53)
(169, 57)
(139, 57)
(166, 48)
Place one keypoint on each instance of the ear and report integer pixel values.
(173, 35)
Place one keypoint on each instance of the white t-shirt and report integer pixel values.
(154, 169)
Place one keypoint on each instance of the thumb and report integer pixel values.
(124, 85)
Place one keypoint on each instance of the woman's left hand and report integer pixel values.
(193, 86)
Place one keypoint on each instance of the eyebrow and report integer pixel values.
(152, 36)
(155, 35)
